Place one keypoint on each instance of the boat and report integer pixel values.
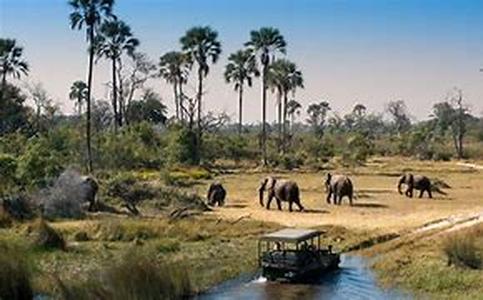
(295, 255)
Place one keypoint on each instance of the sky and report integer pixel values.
(358, 51)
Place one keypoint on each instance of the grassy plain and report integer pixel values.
(220, 244)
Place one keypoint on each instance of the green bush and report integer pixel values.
(40, 163)
(461, 249)
(358, 149)
(182, 146)
(8, 168)
(133, 276)
(15, 273)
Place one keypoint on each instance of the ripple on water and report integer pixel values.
(353, 280)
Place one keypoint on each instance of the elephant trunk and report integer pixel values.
(260, 195)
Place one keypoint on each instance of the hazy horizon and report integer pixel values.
(366, 51)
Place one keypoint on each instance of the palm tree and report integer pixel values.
(265, 42)
(174, 68)
(240, 69)
(202, 45)
(11, 61)
(114, 39)
(78, 93)
(284, 76)
(89, 13)
(293, 107)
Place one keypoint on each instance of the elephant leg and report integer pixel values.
(340, 199)
(328, 197)
(429, 193)
(421, 193)
(279, 203)
(290, 206)
(350, 200)
(269, 201)
(334, 198)
(299, 205)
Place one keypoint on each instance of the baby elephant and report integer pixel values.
(418, 182)
(282, 190)
(216, 194)
(338, 186)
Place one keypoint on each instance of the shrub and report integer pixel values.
(15, 273)
(127, 188)
(359, 148)
(43, 236)
(18, 207)
(8, 167)
(182, 146)
(461, 249)
(173, 197)
(39, 163)
(134, 276)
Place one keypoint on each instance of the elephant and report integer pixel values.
(418, 182)
(90, 187)
(338, 186)
(282, 190)
(216, 194)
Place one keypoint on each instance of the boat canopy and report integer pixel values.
(291, 235)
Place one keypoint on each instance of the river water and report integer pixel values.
(353, 280)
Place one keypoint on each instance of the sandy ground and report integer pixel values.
(377, 207)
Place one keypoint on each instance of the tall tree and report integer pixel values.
(174, 68)
(452, 115)
(285, 76)
(78, 93)
(293, 108)
(202, 46)
(11, 61)
(265, 42)
(399, 113)
(114, 39)
(317, 116)
(239, 70)
(89, 14)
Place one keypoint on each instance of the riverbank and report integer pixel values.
(213, 246)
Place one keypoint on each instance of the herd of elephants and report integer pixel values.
(337, 187)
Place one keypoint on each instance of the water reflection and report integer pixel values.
(352, 281)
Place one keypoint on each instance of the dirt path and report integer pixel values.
(470, 165)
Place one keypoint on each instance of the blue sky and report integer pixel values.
(367, 51)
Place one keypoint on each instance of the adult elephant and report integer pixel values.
(338, 186)
(282, 191)
(216, 194)
(418, 182)
(89, 188)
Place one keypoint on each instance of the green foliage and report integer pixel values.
(8, 168)
(134, 148)
(359, 147)
(40, 162)
(181, 146)
(15, 272)
(135, 275)
(462, 250)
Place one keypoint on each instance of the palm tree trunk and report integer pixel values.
(176, 101)
(88, 100)
(4, 86)
(181, 100)
(284, 120)
(114, 95)
(279, 119)
(200, 94)
(264, 114)
(240, 108)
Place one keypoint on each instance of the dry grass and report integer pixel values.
(378, 206)
(461, 248)
(15, 272)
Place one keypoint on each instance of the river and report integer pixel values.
(353, 280)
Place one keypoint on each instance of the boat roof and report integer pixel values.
(291, 235)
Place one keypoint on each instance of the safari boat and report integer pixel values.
(295, 255)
